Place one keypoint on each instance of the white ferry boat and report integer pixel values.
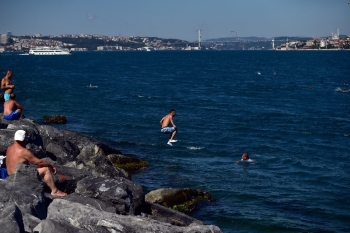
(48, 51)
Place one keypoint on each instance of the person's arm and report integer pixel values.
(161, 121)
(38, 162)
(18, 106)
(172, 122)
(2, 84)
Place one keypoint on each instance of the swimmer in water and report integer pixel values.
(245, 158)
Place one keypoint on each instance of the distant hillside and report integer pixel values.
(227, 39)
(278, 38)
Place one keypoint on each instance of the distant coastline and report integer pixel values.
(138, 43)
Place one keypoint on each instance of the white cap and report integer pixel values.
(20, 135)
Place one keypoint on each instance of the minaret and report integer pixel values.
(199, 39)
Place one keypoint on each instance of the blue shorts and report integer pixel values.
(167, 130)
(7, 96)
(13, 116)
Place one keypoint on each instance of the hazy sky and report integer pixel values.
(176, 18)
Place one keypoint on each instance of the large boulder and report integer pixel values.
(124, 194)
(129, 164)
(93, 202)
(10, 218)
(53, 226)
(24, 197)
(57, 119)
(96, 161)
(88, 218)
(82, 141)
(29, 222)
(183, 200)
(164, 214)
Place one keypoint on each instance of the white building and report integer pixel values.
(4, 39)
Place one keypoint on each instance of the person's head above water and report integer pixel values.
(245, 156)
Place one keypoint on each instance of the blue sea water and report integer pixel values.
(280, 106)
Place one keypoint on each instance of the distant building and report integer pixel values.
(4, 39)
(109, 48)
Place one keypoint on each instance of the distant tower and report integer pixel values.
(273, 43)
(199, 38)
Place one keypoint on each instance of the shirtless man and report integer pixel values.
(7, 86)
(165, 122)
(18, 153)
(12, 109)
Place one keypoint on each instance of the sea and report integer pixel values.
(282, 107)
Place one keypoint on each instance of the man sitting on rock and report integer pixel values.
(12, 109)
(18, 153)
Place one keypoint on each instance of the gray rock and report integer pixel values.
(25, 198)
(28, 176)
(88, 218)
(83, 141)
(124, 194)
(93, 202)
(6, 139)
(10, 218)
(54, 150)
(52, 226)
(95, 160)
(30, 222)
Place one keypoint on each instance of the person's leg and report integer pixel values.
(173, 135)
(46, 175)
(17, 115)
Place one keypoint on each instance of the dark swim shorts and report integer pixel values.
(13, 116)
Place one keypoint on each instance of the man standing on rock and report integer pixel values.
(165, 122)
(7, 86)
(18, 153)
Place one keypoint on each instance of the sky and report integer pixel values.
(179, 19)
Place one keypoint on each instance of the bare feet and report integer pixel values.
(58, 193)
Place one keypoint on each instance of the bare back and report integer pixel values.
(166, 120)
(10, 106)
(16, 154)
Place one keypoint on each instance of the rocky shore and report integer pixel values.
(101, 197)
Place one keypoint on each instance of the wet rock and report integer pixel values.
(183, 200)
(127, 163)
(57, 119)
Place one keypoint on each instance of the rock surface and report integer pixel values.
(101, 197)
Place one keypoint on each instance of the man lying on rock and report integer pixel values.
(18, 153)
